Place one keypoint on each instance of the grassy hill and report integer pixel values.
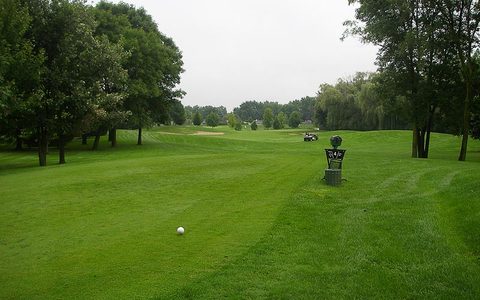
(259, 220)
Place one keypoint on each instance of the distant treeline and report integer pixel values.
(296, 111)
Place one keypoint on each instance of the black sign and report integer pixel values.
(335, 154)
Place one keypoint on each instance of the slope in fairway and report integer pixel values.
(259, 220)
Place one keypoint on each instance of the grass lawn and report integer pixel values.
(259, 220)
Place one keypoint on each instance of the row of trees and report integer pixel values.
(272, 114)
(359, 103)
(69, 69)
(427, 58)
(212, 115)
(253, 110)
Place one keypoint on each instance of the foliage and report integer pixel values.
(282, 119)
(231, 120)
(212, 119)
(253, 110)
(295, 119)
(362, 102)
(21, 69)
(177, 112)
(254, 125)
(152, 87)
(276, 123)
(238, 126)
(67, 68)
(221, 111)
(197, 119)
(424, 46)
(268, 118)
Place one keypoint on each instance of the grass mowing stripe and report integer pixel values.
(320, 248)
(122, 220)
(259, 221)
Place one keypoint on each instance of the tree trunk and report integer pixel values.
(139, 141)
(421, 143)
(18, 146)
(429, 130)
(112, 136)
(466, 120)
(61, 149)
(84, 139)
(97, 141)
(42, 146)
(415, 143)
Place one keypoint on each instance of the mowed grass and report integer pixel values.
(260, 221)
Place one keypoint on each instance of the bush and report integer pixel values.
(254, 125)
(212, 119)
(197, 119)
(295, 119)
(238, 126)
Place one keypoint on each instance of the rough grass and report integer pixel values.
(260, 222)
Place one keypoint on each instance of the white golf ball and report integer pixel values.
(180, 230)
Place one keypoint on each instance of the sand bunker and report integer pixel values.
(208, 133)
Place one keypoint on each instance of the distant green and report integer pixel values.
(260, 221)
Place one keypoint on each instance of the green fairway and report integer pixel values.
(260, 221)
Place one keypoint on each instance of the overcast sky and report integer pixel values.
(241, 50)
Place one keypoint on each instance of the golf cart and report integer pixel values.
(310, 137)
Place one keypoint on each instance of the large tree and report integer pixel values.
(81, 71)
(21, 69)
(154, 65)
(460, 20)
(414, 52)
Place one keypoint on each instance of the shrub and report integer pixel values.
(238, 126)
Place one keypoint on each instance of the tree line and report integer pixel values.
(68, 69)
(277, 115)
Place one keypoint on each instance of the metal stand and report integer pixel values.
(333, 177)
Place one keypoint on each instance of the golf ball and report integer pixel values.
(180, 230)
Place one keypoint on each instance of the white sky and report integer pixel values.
(242, 50)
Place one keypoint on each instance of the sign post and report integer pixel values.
(333, 174)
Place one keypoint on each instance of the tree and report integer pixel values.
(212, 119)
(460, 21)
(276, 123)
(154, 66)
(177, 113)
(250, 111)
(268, 118)
(231, 120)
(238, 126)
(371, 106)
(254, 125)
(295, 119)
(21, 69)
(414, 52)
(79, 68)
(197, 119)
(282, 119)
